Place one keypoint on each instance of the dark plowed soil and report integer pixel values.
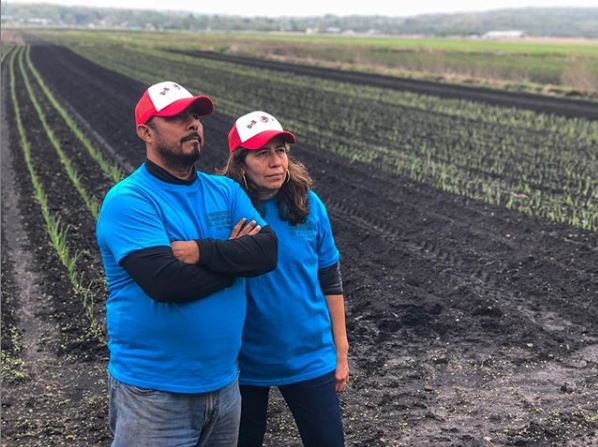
(539, 103)
(469, 325)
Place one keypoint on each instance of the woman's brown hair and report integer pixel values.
(292, 195)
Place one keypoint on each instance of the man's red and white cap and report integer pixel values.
(168, 99)
(254, 130)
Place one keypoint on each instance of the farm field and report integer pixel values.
(469, 236)
(563, 67)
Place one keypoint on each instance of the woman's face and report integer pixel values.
(266, 168)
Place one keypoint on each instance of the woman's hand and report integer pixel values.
(242, 229)
(342, 373)
(185, 251)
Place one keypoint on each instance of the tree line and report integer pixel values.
(550, 22)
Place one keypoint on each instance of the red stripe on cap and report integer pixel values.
(258, 141)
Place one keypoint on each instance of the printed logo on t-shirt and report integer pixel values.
(218, 219)
(305, 230)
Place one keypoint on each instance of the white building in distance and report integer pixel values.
(511, 34)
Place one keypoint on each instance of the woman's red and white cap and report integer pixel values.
(168, 99)
(254, 130)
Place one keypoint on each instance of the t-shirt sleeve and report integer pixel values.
(328, 253)
(129, 222)
(242, 206)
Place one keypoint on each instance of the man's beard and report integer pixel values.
(178, 161)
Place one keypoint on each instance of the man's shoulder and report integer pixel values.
(217, 180)
(131, 186)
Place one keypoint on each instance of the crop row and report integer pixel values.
(5, 50)
(539, 164)
(79, 260)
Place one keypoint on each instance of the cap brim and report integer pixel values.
(203, 105)
(261, 139)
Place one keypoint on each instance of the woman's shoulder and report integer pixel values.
(313, 196)
(313, 199)
(317, 207)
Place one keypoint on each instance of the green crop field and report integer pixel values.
(539, 164)
(551, 66)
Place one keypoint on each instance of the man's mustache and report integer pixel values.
(192, 136)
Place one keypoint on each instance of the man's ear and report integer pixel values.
(145, 133)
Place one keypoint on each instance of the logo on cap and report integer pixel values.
(168, 99)
(254, 129)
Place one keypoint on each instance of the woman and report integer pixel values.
(294, 335)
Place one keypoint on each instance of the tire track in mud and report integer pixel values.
(415, 307)
(452, 216)
(423, 304)
(465, 245)
(502, 235)
(423, 248)
(391, 230)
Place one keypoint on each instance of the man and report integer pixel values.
(174, 328)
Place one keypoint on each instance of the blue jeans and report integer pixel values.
(146, 418)
(314, 405)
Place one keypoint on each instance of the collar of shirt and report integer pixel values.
(166, 176)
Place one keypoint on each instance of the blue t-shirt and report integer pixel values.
(186, 348)
(287, 336)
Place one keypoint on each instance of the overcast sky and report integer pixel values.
(275, 8)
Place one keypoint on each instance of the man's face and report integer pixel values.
(178, 139)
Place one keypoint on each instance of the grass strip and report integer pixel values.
(5, 51)
(91, 203)
(56, 231)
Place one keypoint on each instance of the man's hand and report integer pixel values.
(186, 251)
(243, 229)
